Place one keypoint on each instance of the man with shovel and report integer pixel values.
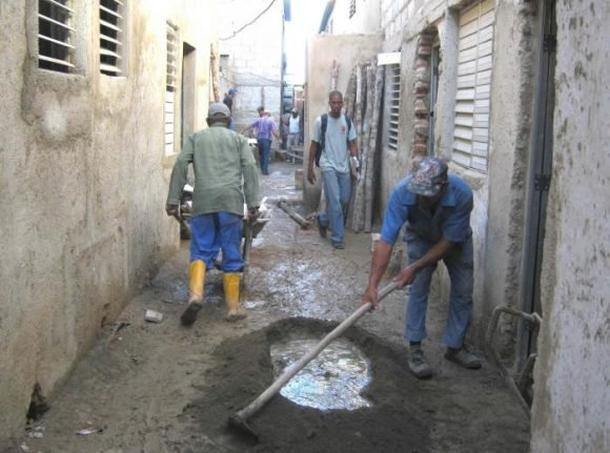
(435, 208)
(221, 159)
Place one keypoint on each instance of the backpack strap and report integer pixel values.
(324, 121)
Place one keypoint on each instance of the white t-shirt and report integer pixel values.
(335, 155)
(293, 125)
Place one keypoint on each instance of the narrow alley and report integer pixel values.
(165, 388)
(197, 196)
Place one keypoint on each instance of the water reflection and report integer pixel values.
(333, 380)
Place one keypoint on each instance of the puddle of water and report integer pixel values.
(333, 380)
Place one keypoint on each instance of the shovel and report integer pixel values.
(239, 420)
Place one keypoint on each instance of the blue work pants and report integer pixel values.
(264, 150)
(337, 190)
(459, 263)
(211, 233)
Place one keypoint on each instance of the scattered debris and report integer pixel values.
(283, 205)
(24, 447)
(153, 316)
(87, 431)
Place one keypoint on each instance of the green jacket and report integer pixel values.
(221, 160)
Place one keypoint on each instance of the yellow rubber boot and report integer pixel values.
(196, 282)
(231, 282)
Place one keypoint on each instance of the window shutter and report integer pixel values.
(55, 35)
(471, 128)
(111, 37)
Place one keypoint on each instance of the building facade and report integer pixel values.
(512, 94)
(250, 45)
(97, 98)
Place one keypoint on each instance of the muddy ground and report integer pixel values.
(164, 388)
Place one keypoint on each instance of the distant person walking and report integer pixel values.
(228, 99)
(294, 128)
(333, 134)
(266, 129)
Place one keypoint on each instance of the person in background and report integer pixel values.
(333, 134)
(294, 129)
(435, 207)
(228, 99)
(225, 178)
(266, 129)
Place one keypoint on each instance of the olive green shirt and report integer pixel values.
(221, 160)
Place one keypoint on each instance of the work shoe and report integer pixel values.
(323, 230)
(338, 245)
(464, 358)
(196, 282)
(231, 282)
(417, 363)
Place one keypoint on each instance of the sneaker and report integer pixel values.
(190, 314)
(323, 230)
(338, 245)
(418, 365)
(463, 358)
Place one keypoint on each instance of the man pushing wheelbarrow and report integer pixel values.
(221, 160)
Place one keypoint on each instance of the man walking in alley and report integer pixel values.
(436, 209)
(333, 134)
(221, 159)
(266, 129)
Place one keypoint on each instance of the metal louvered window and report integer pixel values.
(111, 37)
(394, 99)
(169, 113)
(55, 35)
(471, 131)
(352, 8)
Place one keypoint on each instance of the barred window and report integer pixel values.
(111, 36)
(55, 35)
(394, 101)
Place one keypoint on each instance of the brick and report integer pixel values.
(421, 107)
(424, 50)
(421, 87)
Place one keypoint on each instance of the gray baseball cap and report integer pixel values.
(429, 177)
(218, 110)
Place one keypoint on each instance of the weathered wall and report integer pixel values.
(254, 57)
(83, 181)
(572, 401)
(347, 51)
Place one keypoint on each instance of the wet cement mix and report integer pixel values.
(160, 387)
(396, 421)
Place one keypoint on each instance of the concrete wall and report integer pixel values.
(322, 51)
(83, 181)
(254, 61)
(571, 404)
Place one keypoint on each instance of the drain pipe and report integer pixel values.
(328, 11)
(518, 387)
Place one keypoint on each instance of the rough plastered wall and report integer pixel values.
(572, 375)
(83, 182)
(322, 50)
(254, 57)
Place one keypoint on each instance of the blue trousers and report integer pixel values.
(337, 190)
(211, 233)
(264, 150)
(459, 263)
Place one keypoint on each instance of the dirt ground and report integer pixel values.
(164, 388)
